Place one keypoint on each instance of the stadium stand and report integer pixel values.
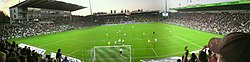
(26, 53)
(226, 20)
(216, 22)
(11, 50)
(150, 16)
(25, 29)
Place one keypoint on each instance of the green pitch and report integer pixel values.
(112, 53)
(80, 43)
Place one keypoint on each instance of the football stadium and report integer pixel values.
(200, 31)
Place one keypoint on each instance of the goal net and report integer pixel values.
(112, 53)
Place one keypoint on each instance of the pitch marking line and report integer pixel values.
(51, 43)
(154, 52)
(188, 41)
(196, 51)
(74, 51)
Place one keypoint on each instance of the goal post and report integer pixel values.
(112, 53)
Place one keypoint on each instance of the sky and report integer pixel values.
(118, 5)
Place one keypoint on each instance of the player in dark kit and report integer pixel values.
(120, 51)
(153, 33)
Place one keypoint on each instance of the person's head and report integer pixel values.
(28, 52)
(193, 56)
(25, 47)
(66, 58)
(59, 50)
(13, 59)
(234, 47)
(2, 56)
(178, 60)
(202, 56)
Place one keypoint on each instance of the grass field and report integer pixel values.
(80, 43)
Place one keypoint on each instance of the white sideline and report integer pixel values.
(196, 51)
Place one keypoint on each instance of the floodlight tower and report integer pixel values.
(166, 6)
(90, 8)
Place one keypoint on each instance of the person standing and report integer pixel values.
(58, 55)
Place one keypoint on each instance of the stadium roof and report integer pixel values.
(234, 5)
(49, 4)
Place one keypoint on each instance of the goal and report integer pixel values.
(112, 53)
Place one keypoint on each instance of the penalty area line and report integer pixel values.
(74, 51)
(154, 52)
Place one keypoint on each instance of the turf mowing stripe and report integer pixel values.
(111, 58)
(111, 53)
(98, 58)
(116, 54)
(106, 55)
(82, 59)
(154, 52)
(188, 41)
(159, 56)
(117, 49)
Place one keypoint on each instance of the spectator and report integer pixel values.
(59, 55)
(30, 58)
(22, 59)
(234, 47)
(178, 60)
(193, 58)
(185, 59)
(2, 56)
(65, 59)
(212, 58)
(13, 59)
(202, 57)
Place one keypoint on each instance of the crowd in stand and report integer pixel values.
(234, 47)
(31, 28)
(130, 18)
(219, 23)
(11, 52)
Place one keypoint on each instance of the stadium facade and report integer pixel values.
(35, 10)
